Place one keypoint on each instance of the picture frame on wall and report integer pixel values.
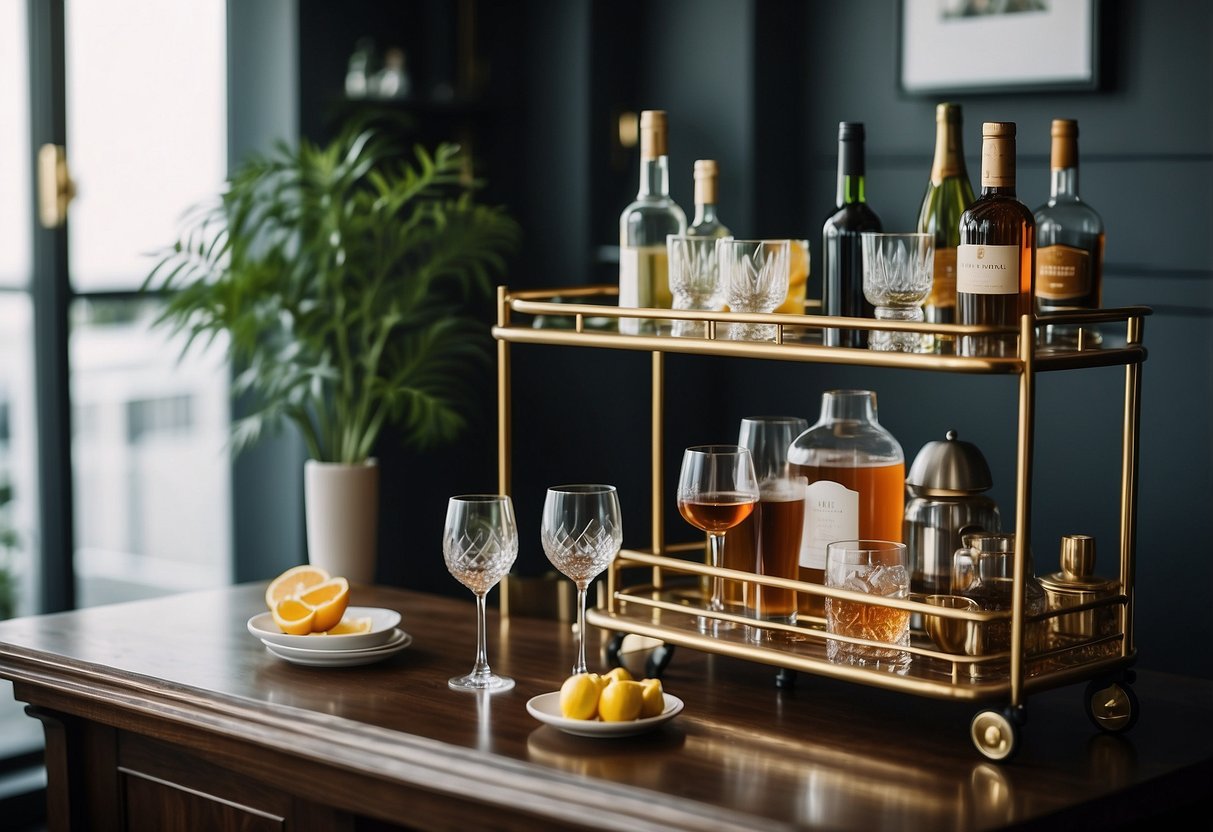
(955, 47)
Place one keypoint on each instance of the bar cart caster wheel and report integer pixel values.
(1112, 707)
(614, 645)
(996, 733)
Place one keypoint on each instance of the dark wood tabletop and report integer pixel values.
(391, 741)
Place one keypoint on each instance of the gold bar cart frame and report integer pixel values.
(657, 608)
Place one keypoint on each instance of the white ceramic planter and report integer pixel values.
(342, 506)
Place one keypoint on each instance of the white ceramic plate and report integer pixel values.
(383, 627)
(546, 708)
(341, 658)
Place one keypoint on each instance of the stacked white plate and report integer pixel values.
(383, 639)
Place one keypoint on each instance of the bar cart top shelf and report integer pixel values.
(578, 317)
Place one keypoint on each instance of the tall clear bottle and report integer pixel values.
(706, 222)
(855, 471)
(841, 251)
(949, 193)
(1070, 244)
(643, 226)
(996, 258)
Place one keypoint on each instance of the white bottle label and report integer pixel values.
(987, 270)
(629, 276)
(831, 512)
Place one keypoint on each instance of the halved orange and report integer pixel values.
(294, 617)
(329, 599)
(294, 582)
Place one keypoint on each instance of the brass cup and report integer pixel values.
(949, 634)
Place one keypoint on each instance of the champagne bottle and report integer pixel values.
(643, 226)
(996, 258)
(706, 223)
(1070, 243)
(841, 251)
(948, 195)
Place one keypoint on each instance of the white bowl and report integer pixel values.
(546, 708)
(383, 626)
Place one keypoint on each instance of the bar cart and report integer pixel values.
(658, 593)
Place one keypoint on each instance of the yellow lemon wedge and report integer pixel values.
(294, 582)
(329, 599)
(652, 700)
(351, 626)
(294, 617)
(617, 674)
(621, 701)
(579, 696)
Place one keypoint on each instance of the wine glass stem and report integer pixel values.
(580, 666)
(482, 661)
(716, 544)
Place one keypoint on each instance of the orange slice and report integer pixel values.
(329, 599)
(294, 582)
(351, 626)
(294, 617)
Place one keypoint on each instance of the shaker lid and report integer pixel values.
(949, 468)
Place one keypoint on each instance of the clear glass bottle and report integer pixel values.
(856, 482)
(949, 194)
(643, 226)
(1069, 243)
(841, 253)
(706, 223)
(996, 258)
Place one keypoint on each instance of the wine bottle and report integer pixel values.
(1070, 243)
(841, 252)
(643, 226)
(949, 193)
(996, 258)
(706, 223)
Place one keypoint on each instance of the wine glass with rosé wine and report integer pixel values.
(717, 489)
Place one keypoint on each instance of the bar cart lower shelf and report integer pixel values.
(673, 610)
(1008, 654)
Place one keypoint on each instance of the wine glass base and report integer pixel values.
(477, 682)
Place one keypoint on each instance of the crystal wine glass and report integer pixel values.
(582, 533)
(717, 489)
(898, 272)
(479, 544)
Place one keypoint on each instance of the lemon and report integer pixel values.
(621, 701)
(620, 674)
(652, 699)
(579, 696)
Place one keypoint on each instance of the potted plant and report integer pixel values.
(342, 277)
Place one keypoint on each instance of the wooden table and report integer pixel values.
(167, 714)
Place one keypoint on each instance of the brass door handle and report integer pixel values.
(55, 186)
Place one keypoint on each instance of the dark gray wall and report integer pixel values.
(1146, 157)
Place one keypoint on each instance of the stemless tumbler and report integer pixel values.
(898, 270)
(694, 279)
(876, 568)
(755, 277)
